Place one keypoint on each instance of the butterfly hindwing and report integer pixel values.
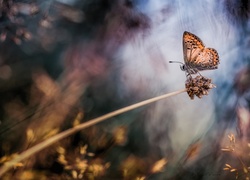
(207, 59)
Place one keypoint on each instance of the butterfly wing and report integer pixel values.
(196, 56)
(207, 59)
(192, 47)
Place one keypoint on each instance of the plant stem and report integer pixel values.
(79, 127)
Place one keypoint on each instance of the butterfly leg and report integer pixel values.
(188, 75)
(200, 74)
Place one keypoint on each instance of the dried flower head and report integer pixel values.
(198, 86)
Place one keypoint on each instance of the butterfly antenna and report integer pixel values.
(175, 62)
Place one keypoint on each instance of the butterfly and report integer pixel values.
(196, 56)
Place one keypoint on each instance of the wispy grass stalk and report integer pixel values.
(31, 151)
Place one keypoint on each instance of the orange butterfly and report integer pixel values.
(196, 56)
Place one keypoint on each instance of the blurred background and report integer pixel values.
(64, 62)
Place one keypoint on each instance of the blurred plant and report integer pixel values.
(159, 165)
(53, 102)
(192, 152)
(78, 164)
(119, 133)
(238, 151)
(16, 18)
(242, 81)
(197, 86)
(133, 166)
(13, 18)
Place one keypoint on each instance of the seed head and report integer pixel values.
(198, 86)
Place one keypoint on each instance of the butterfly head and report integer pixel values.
(182, 66)
(188, 70)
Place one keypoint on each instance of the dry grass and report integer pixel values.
(80, 166)
(44, 144)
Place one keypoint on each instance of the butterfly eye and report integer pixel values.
(183, 67)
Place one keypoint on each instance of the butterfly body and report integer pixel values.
(196, 56)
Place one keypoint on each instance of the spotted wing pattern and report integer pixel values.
(196, 56)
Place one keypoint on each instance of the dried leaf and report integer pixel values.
(12, 156)
(226, 149)
(96, 169)
(83, 149)
(159, 165)
(231, 138)
(82, 165)
(90, 154)
(107, 165)
(51, 133)
(120, 135)
(78, 119)
(74, 174)
(45, 23)
(27, 35)
(131, 166)
(30, 135)
(80, 176)
(228, 165)
(141, 178)
(46, 85)
(3, 159)
(232, 170)
(61, 159)
(60, 150)
(245, 170)
(17, 165)
(27, 175)
(193, 150)
(69, 167)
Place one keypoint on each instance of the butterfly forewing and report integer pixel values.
(196, 56)
(192, 46)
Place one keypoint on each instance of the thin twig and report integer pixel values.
(79, 127)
